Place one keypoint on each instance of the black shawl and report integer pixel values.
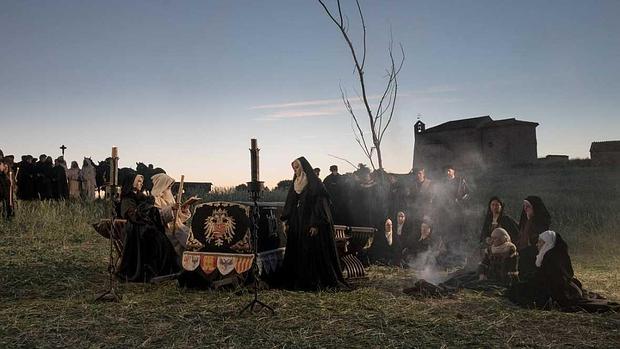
(503, 221)
(554, 286)
(541, 221)
(310, 262)
(147, 252)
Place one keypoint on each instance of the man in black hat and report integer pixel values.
(26, 187)
(457, 186)
(334, 186)
(422, 194)
(452, 198)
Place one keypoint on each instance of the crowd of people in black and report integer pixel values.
(416, 218)
(411, 213)
(412, 218)
(44, 178)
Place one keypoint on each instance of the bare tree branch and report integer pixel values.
(359, 9)
(387, 101)
(343, 159)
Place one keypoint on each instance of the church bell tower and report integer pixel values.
(419, 127)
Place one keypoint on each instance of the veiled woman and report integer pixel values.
(311, 261)
(554, 284)
(89, 181)
(178, 233)
(146, 250)
(74, 176)
(497, 270)
(535, 219)
(500, 259)
(496, 218)
(403, 238)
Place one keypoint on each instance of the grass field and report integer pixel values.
(53, 265)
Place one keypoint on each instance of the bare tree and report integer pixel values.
(380, 117)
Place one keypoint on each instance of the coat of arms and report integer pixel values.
(219, 228)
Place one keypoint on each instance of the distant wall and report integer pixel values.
(458, 147)
(605, 158)
(509, 145)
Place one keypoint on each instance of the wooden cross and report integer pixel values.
(62, 147)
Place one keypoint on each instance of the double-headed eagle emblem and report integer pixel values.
(219, 228)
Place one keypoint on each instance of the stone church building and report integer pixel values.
(605, 153)
(474, 143)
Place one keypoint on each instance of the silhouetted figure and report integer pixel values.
(26, 185)
(60, 186)
(44, 173)
(336, 188)
(6, 209)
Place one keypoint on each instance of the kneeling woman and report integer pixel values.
(146, 251)
(554, 284)
(311, 260)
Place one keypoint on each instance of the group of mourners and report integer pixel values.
(48, 179)
(528, 262)
(528, 259)
(411, 213)
(156, 235)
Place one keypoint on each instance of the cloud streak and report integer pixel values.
(310, 103)
(296, 114)
(334, 106)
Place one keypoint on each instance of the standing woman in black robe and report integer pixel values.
(147, 252)
(311, 260)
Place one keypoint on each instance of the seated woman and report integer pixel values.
(497, 270)
(401, 237)
(500, 259)
(495, 218)
(311, 261)
(535, 219)
(146, 251)
(382, 248)
(177, 232)
(554, 284)
(423, 242)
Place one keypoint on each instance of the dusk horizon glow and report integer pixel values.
(186, 85)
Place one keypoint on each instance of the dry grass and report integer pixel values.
(52, 266)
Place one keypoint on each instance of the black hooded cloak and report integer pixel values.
(147, 252)
(60, 186)
(554, 286)
(310, 262)
(529, 229)
(26, 187)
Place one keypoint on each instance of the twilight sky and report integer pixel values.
(185, 84)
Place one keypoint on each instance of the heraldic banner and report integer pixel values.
(224, 263)
(222, 227)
